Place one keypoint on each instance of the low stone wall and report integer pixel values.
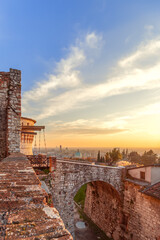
(42, 161)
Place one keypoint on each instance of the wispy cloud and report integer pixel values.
(85, 127)
(146, 52)
(138, 71)
(130, 119)
(67, 76)
(66, 73)
(111, 124)
(136, 81)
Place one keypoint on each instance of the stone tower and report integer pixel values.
(29, 130)
(10, 112)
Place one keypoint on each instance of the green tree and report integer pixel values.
(98, 156)
(149, 158)
(123, 153)
(107, 157)
(102, 159)
(115, 155)
(134, 157)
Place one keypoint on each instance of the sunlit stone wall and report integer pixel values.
(104, 206)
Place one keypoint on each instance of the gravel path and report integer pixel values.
(83, 234)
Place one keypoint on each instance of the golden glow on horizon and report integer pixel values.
(139, 130)
(120, 109)
(125, 141)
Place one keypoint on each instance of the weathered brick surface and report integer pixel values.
(4, 82)
(41, 160)
(10, 112)
(14, 112)
(70, 176)
(142, 214)
(136, 217)
(103, 205)
(24, 213)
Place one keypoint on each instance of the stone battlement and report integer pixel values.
(41, 161)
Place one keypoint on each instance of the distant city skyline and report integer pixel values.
(90, 69)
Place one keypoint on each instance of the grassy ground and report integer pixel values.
(80, 196)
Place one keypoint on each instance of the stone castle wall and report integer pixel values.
(104, 206)
(4, 82)
(142, 214)
(136, 217)
(10, 112)
(70, 176)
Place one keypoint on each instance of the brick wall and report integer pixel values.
(137, 217)
(103, 205)
(142, 214)
(4, 81)
(10, 112)
(42, 161)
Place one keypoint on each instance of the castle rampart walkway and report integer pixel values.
(24, 213)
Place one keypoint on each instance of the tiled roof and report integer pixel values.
(23, 211)
(153, 190)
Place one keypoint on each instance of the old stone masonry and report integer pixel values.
(70, 176)
(121, 205)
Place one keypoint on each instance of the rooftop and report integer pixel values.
(144, 166)
(153, 190)
(30, 119)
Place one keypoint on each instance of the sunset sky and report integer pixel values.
(90, 68)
